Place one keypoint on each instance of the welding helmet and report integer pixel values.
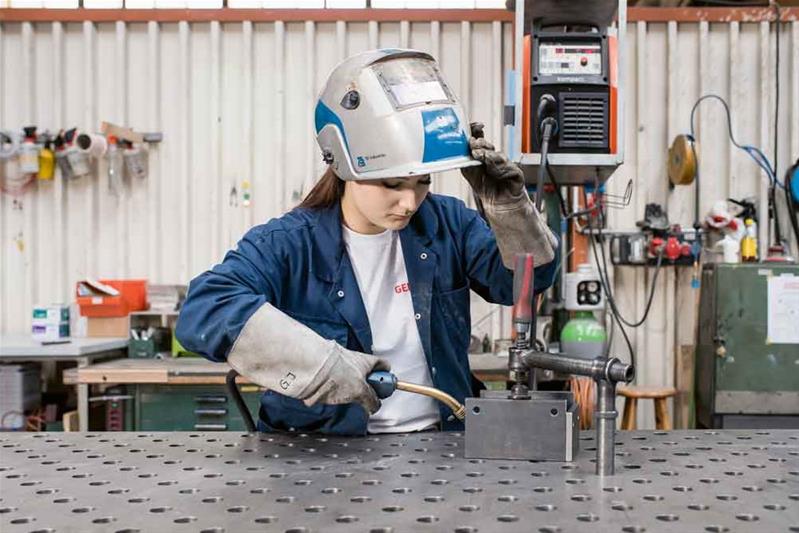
(389, 114)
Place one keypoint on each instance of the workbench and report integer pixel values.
(199, 371)
(82, 351)
(188, 393)
(681, 481)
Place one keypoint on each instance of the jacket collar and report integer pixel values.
(328, 244)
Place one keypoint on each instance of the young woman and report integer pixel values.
(371, 271)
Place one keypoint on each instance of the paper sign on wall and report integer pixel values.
(783, 310)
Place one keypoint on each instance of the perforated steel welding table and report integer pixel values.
(666, 481)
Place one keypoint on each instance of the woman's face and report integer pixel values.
(375, 206)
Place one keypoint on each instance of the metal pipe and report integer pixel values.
(605, 423)
(457, 409)
(606, 373)
(599, 368)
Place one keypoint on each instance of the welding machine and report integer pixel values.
(568, 58)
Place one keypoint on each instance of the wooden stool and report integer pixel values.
(633, 394)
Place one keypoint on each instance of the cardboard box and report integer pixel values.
(111, 297)
(43, 332)
(53, 314)
(108, 326)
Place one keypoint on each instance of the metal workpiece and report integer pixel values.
(678, 481)
(605, 369)
(545, 426)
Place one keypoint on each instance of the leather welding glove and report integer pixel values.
(499, 185)
(283, 355)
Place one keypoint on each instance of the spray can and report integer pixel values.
(46, 161)
(29, 152)
(749, 242)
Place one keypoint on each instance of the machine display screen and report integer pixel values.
(570, 58)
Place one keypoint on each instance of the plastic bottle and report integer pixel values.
(749, 242)
(115, 166)
(46, 161)
(730, 249)
(29, 152)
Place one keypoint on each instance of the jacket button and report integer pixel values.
(417, 316)
(423, 255)
(340, 294)
(450, 418)
(434, 370)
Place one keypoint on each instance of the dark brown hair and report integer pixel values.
(326, 193)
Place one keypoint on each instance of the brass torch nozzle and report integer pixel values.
(457, 409)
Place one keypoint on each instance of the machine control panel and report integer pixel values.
(565, 58)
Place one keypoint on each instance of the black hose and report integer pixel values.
(233, 392)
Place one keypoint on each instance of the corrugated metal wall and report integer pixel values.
(235, 100)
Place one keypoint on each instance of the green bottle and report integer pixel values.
(583, 336)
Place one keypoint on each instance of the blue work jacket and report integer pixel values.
(298, 263)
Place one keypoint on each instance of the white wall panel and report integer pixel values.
(235, 104)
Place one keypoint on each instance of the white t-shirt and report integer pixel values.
(383, 281)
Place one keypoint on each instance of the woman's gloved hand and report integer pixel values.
(498, 180)
(499, 186)
(283, 355)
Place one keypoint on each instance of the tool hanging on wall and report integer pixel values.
(12, 181)
(682, 161)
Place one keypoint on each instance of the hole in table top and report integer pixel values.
(727, 497)
(80, 510)
(238, 509)
(401, 490)
(698, 507)
(465, 529)
(612, 489)
(747, 517)
(428, 519)
(259, 490)
(587, 517)
(185, 519)
(347, 519)
(393, 508)
(439, 482)
(542, 489)
(653, 497)
(286, 499)
(360, 499)
(382, 530)
(774, 507)
(434, 499)
(315, 508)
(64, 500)
(683, 488)
(23, 520)
(508, 498)
(633, 529)
(717, 529)
(138, 500)
(469, 508)
(546, 507)
(621, 506)
(104, 520)
(549, 529)
(473, 490)
(581, 497)
(213, 530)
(508, 518)
(371, 482)
(161, 509)
(266, 520)
(669, 517)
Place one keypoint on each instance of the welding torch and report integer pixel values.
(385, 383)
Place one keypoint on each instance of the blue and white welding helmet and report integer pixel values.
(389, 114)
